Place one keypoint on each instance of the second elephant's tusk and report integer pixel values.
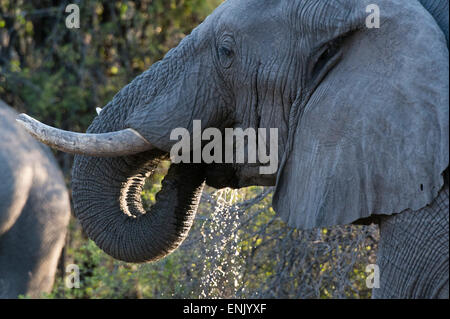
(119, 143)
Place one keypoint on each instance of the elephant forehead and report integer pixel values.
(249, 8)
(249, 16)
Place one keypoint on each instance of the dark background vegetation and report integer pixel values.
(238, 247)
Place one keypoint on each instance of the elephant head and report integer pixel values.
(361, 113)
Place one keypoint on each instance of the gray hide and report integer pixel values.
(34, 211)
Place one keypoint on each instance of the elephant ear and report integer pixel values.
(373, 137)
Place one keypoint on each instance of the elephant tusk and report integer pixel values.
(119, 143)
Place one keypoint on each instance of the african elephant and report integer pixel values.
(362, 119)
(34, 211)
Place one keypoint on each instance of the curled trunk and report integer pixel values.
(107, 202)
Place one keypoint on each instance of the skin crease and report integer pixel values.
(362, 116)
(34, 211)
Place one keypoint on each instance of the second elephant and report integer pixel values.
(34, 211)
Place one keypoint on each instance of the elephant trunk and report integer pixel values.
(114, 160)
(107, 202)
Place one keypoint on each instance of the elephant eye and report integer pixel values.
(326, 58)
(225, 56)
(225, 51)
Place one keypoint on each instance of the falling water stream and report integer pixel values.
(221, 269)
(238, 248)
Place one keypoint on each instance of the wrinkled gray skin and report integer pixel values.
(34, 211)
(362, 116)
